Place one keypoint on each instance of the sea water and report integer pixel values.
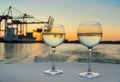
(66, 52)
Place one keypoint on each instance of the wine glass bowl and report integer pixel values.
(54, 38)
(89, 34)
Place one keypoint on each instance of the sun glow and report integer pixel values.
(38, 36)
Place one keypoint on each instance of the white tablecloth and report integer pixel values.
(34, 72)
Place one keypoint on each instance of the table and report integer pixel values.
(33, 72)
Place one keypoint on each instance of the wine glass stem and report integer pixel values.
(89, 59)
(53, 59)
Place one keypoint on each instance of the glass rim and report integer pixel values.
(87, 23)
(56, 25)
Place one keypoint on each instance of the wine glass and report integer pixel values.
(89, 34)
(54, 37)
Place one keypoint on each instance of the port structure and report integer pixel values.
(20, 21)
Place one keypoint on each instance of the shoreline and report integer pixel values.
(65, 41)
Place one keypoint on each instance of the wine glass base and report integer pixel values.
(53, 72)
(89, 75)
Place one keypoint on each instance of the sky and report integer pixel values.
(71, 13)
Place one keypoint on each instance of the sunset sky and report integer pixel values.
(70, 13)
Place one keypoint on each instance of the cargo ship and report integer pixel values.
(15, 28)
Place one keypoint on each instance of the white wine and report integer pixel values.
(89, 39)
(89, 34)
(53, 39)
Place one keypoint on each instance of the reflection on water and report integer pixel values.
(39, 52)
(21, 52)
(8, 51)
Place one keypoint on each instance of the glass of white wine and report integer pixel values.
(54, 37)
(89, 34)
